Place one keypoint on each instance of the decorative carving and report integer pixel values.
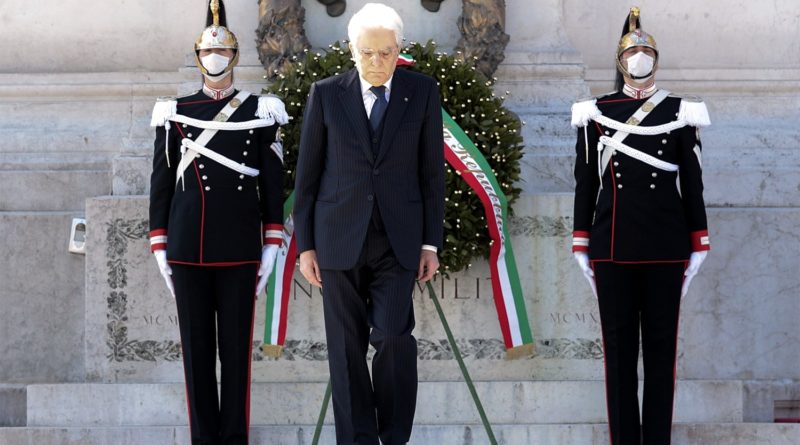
(438, 350)
(280, 34)
(122, 349)
(431, 5)
(541, 226)
(334, 8)
(483, 39)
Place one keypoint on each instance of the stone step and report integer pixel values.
(438, 403)
(461, 434)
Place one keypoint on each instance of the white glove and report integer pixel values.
(695, 261)
(583, 261)
(268, 254)
(166, 271)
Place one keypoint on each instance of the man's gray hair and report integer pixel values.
(375, 15)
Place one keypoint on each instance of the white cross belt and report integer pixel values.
(606, 141)
(191, 149)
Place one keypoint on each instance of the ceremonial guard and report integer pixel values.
(640, 231)
(216, 214)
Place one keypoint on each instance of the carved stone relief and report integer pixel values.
(483, 38)
(280, 34)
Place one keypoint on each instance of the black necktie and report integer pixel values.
(378, 108)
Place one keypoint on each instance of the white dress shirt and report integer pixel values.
(369, 97)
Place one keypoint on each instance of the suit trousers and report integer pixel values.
(371, 304)
(216, 307)
(633, 297)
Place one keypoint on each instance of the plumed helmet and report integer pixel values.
(216, 35)
(633, 36)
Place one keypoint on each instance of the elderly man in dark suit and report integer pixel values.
(368, 217)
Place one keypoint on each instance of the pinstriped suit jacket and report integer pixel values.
(339, 180)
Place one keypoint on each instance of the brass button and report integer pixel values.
(619, 186)
(660, 152)
(251, 131)
(616, 164)
(239, 188)
(202, 166)
(208, 188)
(652, 186)
(663, 141)
(247, 142)
(205, 177)
(189, 135)
(655, 174)
(244, 153)
(619, 175)
(241, 176)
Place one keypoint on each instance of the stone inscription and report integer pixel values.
(123, 348)
(160, 320)
(464, 288)
(566, 318)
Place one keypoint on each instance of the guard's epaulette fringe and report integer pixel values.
(271, 107)
(165, 107)
(693, 111)
(585, 110)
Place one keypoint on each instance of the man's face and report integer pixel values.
(227, 52)
(375, 55)
(632, 51)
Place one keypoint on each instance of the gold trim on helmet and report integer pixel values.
(216, 37)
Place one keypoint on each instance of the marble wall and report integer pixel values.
(738, 322)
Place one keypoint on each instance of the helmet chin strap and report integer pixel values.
(219, 77)
(641, 80)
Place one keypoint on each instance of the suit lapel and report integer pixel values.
(398, 101)
(354, 110)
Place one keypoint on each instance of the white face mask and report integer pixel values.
(640, 65)
(215, 64)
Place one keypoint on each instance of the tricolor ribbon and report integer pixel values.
(278, 287)
(469, 163)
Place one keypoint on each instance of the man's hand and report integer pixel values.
(166, 271)
(428, 265)
(309, 267)
(268, 254)
(583, 262)
(695, 261)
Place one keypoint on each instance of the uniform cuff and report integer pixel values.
(273, 234)
(580, 241)
(158, 240)
(700, 241)
(433, 249)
